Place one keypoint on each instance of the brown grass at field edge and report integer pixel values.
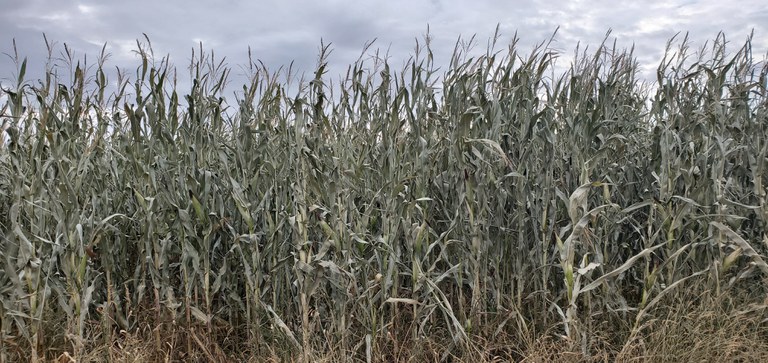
(692, 328)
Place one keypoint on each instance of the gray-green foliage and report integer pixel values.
(447, 198)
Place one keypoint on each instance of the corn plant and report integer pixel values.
(379, 210)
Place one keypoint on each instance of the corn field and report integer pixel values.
(419, 213)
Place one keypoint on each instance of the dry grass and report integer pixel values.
(695, 328)
(703, 327)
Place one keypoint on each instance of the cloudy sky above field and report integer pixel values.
(279, 32)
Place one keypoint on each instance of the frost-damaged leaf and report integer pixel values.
(687, 200)
(745, 246)
(140, 199)
(107, 219)
(402, 300)
(200, 315)
(635, 206)
(626, 266)
(86, 302)
(333, 268)
(513, 174)
(567, 247)
(284, 328)
(578, 200)
(242, 205)
(495, 147)
(590, 267)
(26, 249)
(444, 304)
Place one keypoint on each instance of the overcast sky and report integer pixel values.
(279, 32)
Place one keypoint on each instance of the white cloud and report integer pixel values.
(85, 9)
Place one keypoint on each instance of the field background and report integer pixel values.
(492, 210)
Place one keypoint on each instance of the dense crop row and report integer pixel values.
(402, 210)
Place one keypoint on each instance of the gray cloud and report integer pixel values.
(279, 32)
